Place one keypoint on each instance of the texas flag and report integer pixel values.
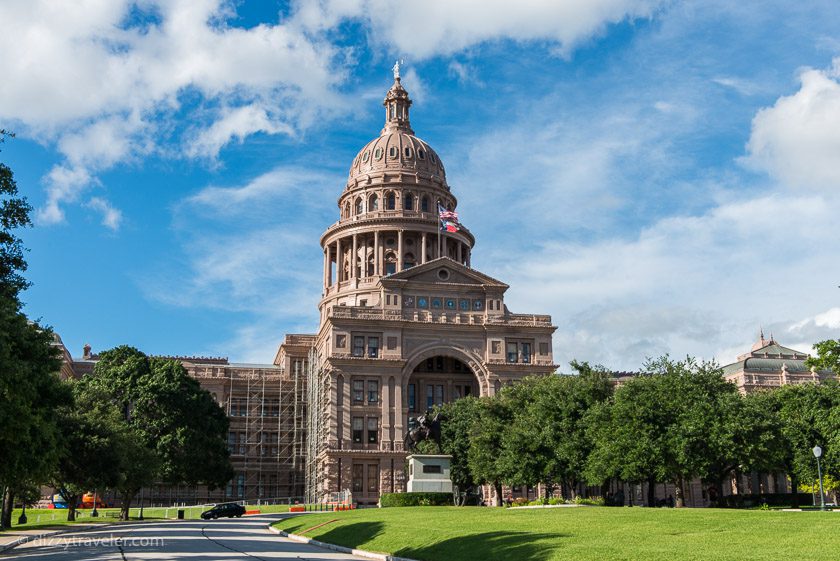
(449, 226)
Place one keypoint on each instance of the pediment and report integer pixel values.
(443, 271)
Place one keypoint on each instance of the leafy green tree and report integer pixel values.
(808, 414)
(547, 441)
(175, 431)
(29, 385)
(485, 454)
(669, 424)
(90, 446)
(459, 419)
(827, 357)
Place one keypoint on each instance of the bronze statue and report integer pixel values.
(422, 428)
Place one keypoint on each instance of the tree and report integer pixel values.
(90, 446)
(174, 431)
(547, 441)
(14, 214)
(828, 356)
(808, 414)
(484, 456)
(669, 424)
(459, 419)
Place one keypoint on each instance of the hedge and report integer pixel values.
(770, 499)
(415, 499)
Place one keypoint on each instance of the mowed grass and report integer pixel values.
(44, 518)
(586, 533)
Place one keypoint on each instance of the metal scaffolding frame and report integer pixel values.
(317, 426)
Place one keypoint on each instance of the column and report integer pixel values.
(354, 273)
(376, 261)
(384, 414)
(423, 249)
(458, 253)
(338, 261)
(469, 254)
(326, 267)
(398, 414)
(399, 250)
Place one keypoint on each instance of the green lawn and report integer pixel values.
(58, 517)
(587, 533)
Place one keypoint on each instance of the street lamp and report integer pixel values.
(817, 453)
(95, 512)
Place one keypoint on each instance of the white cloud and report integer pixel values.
(425, 29)
(686, 284)
(111, 217)
(797, 140)
(106, 81)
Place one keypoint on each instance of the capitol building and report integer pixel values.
(406, 323)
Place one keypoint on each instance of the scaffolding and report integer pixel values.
(317, 427)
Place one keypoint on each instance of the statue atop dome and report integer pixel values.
(396, 69)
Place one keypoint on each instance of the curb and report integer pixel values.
(338, 548)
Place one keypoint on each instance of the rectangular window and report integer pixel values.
(456, 392)
(240, 485)
(373, 391)
(467, 390)
(512, 352)
(232, 442)
(340, 340)
(526, 353)
(430, 396)
(358, 346)
(358, 391)
(439, 395)
(496, 347)
(372, 430)
(242, 443)
(373, 347)
(358, 429)
(373, 478)
(412, 397)
(358, 477)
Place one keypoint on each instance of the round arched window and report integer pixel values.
(359, 206)
(392, 152)
(377, 154)
(407, 152)
(366, 156)
(421, 153)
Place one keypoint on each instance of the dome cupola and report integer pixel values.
(396, 105)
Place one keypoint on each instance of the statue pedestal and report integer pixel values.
(429, 473)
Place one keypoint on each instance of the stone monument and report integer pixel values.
(429, 473)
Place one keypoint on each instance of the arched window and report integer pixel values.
(370, 265)
(347, 210)
(390, 201)
(424, 203)
(373, 203)
(390, 263)
(393, 110)
(360, 207)
(421, 153)
(408, 202)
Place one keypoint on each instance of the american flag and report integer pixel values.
(447, 214)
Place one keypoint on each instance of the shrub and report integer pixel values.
(415, 499)
(592, 501)
(555, 501)
(770, 499)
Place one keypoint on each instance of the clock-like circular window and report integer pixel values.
(443, 274)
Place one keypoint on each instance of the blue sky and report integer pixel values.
(659, 176)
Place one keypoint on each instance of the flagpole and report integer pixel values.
(439, 229)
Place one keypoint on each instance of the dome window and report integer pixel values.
(360, 208)
(377, 154)
(407, 152)
(392, 152)
(408, 202)
(421, 153)
(366, 156)
(373, 202)
(432, 157)
(390, 201)
(424, 203)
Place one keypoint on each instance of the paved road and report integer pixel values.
(195, 540)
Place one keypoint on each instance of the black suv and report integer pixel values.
(224, 510)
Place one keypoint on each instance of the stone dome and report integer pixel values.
(397, 150)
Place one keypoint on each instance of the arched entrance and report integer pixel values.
(436, 380)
